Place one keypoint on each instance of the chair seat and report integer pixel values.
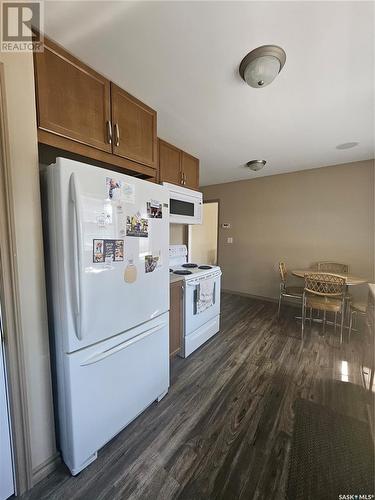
(296, 291)
(324, 303)
(359, 307)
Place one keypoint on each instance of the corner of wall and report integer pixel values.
(23, 156)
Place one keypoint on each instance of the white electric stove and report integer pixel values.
(201, 318)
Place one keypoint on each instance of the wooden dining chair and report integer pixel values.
(356, 309)
(324, 292)
(293, 292)
(332, 267)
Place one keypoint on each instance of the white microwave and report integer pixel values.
(185, 205)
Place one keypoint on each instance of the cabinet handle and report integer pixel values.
(182, 178)
(117, 135)
(109, 132)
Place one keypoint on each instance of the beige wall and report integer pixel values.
(301, 217)
(19, 89)
(177, 234)
(203, 237)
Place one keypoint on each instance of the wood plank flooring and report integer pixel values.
(224, 429)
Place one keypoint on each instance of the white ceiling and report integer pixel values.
(182, 59)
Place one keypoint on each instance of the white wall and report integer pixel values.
(20, 101)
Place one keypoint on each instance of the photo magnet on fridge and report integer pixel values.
(113, 188)
(119, 250)
(136, 226)
(151, 263)
(108, 251)
(121, 219)
(98, 251)
(154, 210)
(128, 192)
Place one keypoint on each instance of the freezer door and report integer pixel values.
(108, 243)
(104, 387)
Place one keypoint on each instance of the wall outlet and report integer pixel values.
(230, 240)
(225, 225)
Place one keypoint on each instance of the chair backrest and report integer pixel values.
(332, 267)
(325, 284)
(283, 272)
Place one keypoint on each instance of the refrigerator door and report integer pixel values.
(108, 238)
(107, 385)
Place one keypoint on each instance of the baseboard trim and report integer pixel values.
(45, 468)
(286, 300)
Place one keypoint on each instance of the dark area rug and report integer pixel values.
(331, 455)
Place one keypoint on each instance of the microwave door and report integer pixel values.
(182, 208)
(185, 210)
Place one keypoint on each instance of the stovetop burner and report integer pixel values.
(205, 267)
(189, 265)
(182, 271)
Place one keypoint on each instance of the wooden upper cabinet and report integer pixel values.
(178, 167)
(169, 163)
(134, 128)
(72, 99)
(190, 171)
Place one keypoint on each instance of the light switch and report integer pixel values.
(230, 240)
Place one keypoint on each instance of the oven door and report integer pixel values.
(185, 205)
(193, 318)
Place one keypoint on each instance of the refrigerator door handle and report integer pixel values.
(113, 350)
(76, 227)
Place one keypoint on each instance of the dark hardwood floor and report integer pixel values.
(224, 429)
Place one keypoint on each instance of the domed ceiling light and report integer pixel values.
(256, 164)
(347, 145)
(262, 65)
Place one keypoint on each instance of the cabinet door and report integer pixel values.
(175, 317)
(134, 128)
(73, 100)
(190, 171)
(169, 163)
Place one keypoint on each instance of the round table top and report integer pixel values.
(350, 279)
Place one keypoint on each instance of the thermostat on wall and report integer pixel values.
(225, 226)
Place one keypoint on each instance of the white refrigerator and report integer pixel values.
(107, 242)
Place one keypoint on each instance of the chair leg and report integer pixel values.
(303, 318)
(278, 311)
(350, 325)
(347, 306)
(310, 318)
(335, 322)
(324, 321)
(342, 323)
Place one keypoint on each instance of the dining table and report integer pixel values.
(351, 280)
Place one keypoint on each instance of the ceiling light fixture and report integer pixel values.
(262, 65)
(347, 145)
(256, 164)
